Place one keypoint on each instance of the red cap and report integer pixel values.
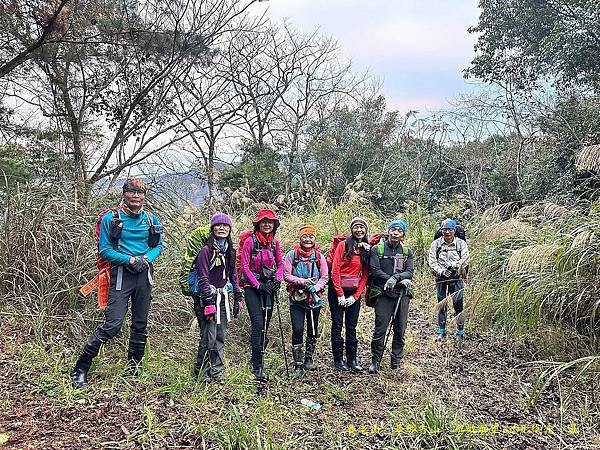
(266, 214)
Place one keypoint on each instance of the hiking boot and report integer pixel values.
(375, 367)
(311, 343)
(337, 348)
(376, 353)
(260, 375)
(460, 337)
(79, 377)
(441, 335)
(83, 364)
(395, 363)
(135, 354)
(298, 355)
(217, 378)
(351, 349)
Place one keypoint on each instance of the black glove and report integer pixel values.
(238, 303)
(265, 288)
(449, 273)
(140, 264)
(275, 285)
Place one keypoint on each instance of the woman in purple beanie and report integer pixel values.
(215, 265)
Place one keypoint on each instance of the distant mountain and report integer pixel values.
(185, 187)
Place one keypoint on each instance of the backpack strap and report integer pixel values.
(405, 250)
(316, 261)
(380, 248)
(116, 213)
(438, 250)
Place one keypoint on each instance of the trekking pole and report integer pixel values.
(287, 369)
(312, 322)
(390, 326)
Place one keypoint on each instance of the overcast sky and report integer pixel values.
(417, 48)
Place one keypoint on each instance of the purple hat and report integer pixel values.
(220, 218)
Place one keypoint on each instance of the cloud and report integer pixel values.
(418, 47)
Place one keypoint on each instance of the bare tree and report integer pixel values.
(113, 98)
(322, 79)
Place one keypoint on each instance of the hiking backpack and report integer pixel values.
(188, 277)
(102, 279)
(334, 243)
(255, 248)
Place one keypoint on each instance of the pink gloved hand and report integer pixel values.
(209, 312)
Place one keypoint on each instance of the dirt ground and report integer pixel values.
(472, 396)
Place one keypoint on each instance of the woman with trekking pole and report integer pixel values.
(215, 267)
(261, 275)
(306, 273)
(391, 265)
(349, 271)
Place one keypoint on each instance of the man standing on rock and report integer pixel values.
(130, 239)
(448, 258)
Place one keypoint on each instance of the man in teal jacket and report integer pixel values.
(130, 239)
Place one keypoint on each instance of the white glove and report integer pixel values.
(342, 301)
(350, 301)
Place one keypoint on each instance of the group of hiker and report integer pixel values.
(376, 270)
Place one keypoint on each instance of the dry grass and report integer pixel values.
(532, 258)
(503, 229)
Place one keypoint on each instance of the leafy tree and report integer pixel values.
(524, 41)
(258, 171)
(13, 167)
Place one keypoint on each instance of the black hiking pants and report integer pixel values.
(384, 310)
(343, 315)
(298, 315)
(258, 308)
(126, 285)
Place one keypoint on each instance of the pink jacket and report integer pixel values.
(297, 281)
(249, 267)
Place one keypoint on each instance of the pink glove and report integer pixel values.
(210, 311)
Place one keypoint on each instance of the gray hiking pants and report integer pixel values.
(211, 348)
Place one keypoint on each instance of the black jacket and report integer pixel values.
(383, 268)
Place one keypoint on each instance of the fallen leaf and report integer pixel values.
(3, 438)
(124, 430)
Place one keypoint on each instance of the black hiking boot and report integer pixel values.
(311, 343)
(260, 375)
(351, 350)
(298, 355)
(337, 348)
(376, 354)
(83, 364)
(396, 363)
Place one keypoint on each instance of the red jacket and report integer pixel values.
(350, 273)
